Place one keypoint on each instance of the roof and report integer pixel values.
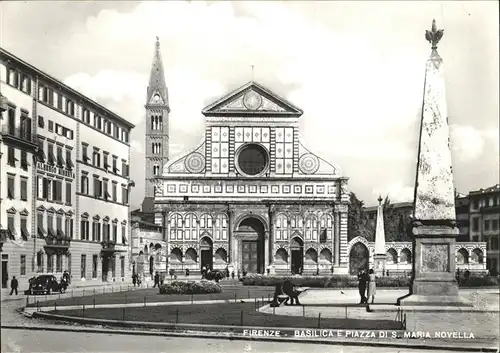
(60, 84)
(491, 189)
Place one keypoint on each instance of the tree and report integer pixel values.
(357, 222)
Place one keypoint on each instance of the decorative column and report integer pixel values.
(434, 227)
(230, 216)
(233, 243)
(272, 213)
(336, 237)
(379, 256)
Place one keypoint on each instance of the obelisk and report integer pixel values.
(379, 257)
(433, 226)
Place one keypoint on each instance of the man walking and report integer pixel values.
(13, 285)
(157, 280)
(363, 279)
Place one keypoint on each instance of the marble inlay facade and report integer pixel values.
(251, 196)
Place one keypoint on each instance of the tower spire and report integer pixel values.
(157, 84)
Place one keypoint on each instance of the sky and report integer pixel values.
(356, 69)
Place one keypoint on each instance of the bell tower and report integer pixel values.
(157, 114)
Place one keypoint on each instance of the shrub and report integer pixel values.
(347, 281)
(190, 287)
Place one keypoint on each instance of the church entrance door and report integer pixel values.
(206, 253)
(297, 249)
(252, 234)
(358, 258)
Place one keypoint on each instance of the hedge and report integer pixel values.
(346, 281)
(190, 287)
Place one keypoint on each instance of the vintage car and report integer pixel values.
(215, 275)
(44, 284)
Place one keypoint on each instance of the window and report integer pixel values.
(57, 190)
(50, 225)
(84, 189)
(97, 188)
(156, 169)
(24, 189)
(10, 187)
(115, 233)
(475, 224)
(41, 122)
(122, 266)
(59, 101)
(50, 263)
(41, 230)
(124, 169)
(68, 227)
(113, 266)
(96, 158)
(83, 266)
(494, 243)
(494, 224)
(11, 156)
(125, 195)
(69, 163)
(60, 158)
(24, 228)
(52, 157)
(60, 231)
(105, 158)
(115, 165)
(39, 262)
(105, 231)
(486, 225)
(24, 160)
(68, 193)
(58, 263)
(124, 234)
(252, 159)
(51, 126)
(94, 266)
(85, 157)
(60, 130)
(84, 231)
(11, 227)
(114, 191)
(41, 151)
(96, 231)
(106, 194)
(23, 265)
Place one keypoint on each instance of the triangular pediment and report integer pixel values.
(252, 99)
(156, 98)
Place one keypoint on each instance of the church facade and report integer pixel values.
(251, 196)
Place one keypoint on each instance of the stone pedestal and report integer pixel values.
(433, 279)
(379, 264)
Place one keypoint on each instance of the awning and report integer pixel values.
(10, 192)
(69, 164)
(60, 233)
(108, 196)
(41, 232)
(52, 158)
(60, 160)
(41, 155)
(12, 232)
(51, 232)
(24, 233)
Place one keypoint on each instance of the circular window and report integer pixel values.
(252, 159)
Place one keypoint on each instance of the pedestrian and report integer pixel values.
(232, 274)
(362, 278)
(372, 285)
(187, 272)
(13, 285)
(134, 279)
(157, 280)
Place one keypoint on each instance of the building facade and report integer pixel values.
(78, 186)
(251, 196)
(484, 215)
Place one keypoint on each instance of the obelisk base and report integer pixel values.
(379, 264)
(433, 277)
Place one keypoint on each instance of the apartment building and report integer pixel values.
(484, 214)
(78, 200)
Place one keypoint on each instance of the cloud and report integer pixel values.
(469, 143)
(137, 146)
(397, 192)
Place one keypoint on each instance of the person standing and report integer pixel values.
(157, 280)
(362, 278)
(372, 285)
(13, 285)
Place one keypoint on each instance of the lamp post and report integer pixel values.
(130, 185)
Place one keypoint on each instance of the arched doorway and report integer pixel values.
(297, 249)
(206, 253)
(251, 232)
(358, 258)
(151, 265)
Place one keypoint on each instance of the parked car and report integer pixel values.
(44, 284)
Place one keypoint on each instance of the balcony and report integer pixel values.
(21, 137)
(110, 247)
(57, 244)
(3, 238)
(491, 209)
